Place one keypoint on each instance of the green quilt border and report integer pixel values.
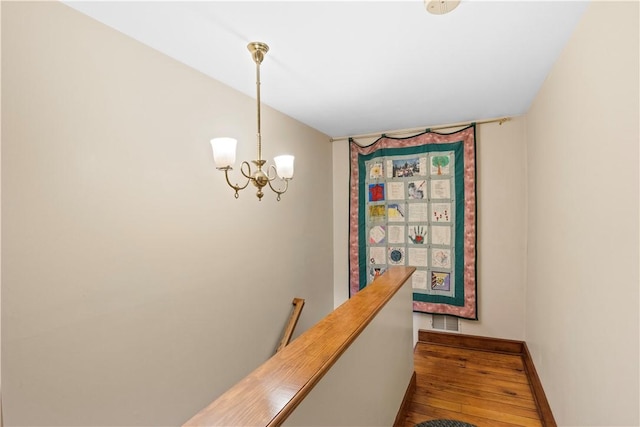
(457, 148)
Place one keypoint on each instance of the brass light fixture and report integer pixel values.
(224, 149)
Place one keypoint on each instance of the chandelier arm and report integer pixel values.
(280, 192)
(271, 179)
(236, 187)
(273, 169)
(248, 173)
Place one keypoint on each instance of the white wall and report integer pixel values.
(582, 322)
(501, 196)
(135, 288)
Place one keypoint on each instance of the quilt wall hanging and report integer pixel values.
(413, 202)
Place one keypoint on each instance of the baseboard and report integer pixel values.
(502, 346)
(544, 409)
(406, 401)
(471, 341)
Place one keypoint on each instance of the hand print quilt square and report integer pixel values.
(413, 202)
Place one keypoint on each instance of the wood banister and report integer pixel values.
(268, 395)
(298, 303)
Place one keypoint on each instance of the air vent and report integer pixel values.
(444, 322)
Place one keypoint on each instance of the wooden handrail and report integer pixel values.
(298, 303)
(268, 395)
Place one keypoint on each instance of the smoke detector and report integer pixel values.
(440, 7)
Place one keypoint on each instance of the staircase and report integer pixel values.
(482, 381)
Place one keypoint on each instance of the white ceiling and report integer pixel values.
(355, 67)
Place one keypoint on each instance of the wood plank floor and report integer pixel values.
(477, 387)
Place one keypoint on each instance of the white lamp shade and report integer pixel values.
(284, 166)
(224, 151)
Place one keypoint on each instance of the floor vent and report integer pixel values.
(444, 322)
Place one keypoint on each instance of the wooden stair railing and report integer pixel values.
(298, 303)
(269, 394)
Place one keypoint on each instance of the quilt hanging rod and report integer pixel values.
(500, 121)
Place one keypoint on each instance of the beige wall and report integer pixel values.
(123, 291)
(582, 291)
(366, 385)
(501, 195)
(1, 419)
(135, 288)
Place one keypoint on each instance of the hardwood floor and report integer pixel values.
(478, 387)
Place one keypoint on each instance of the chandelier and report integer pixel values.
(224, 149)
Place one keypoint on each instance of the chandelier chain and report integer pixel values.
(259, 134)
